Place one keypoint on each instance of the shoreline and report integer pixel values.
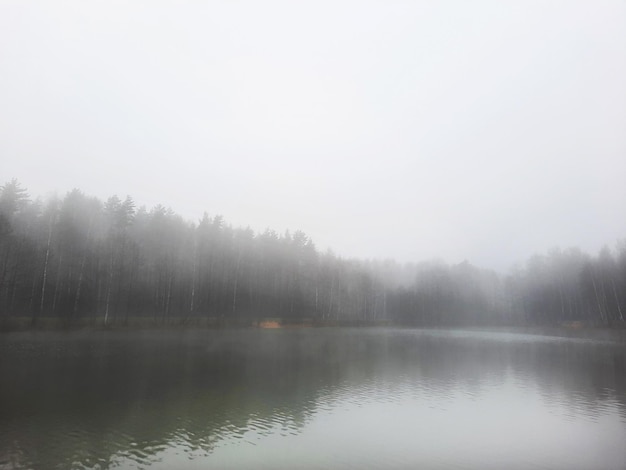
(54, 325)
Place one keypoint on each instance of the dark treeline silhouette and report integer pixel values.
(81, 259)
(442, 295)
(571, 286)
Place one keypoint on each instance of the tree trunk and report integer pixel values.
(110, 283)
(45, 272)
(330, 296)
(595, 290)
(56, 286)
(80, 284)
(236, 282)
(169, 295)
(619, 308)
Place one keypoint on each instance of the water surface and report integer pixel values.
(311, 399)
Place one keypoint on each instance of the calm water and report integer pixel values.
(312, 399)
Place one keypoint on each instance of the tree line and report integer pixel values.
(81, 258)
(78, 258)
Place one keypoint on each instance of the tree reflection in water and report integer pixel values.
(103, 399)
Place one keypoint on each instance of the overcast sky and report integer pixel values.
(485, 131)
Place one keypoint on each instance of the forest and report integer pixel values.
(80, 260)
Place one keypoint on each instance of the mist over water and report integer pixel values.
(312, 398)
(201, 201)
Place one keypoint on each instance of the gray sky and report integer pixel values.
(484, 131)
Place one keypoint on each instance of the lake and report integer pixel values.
(312, 398)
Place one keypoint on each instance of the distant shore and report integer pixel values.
(564, 329)
(149, 323)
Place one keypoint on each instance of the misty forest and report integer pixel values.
(80, 260)
(326, 235)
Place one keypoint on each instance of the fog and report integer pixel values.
(485, 131)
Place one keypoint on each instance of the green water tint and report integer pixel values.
(311, 398)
